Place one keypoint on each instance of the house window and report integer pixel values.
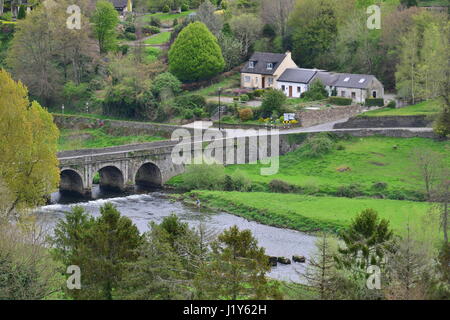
(247, 79)
(342, 93)
(283, 87)
(270, 81)
(269, 66)
(299, 90)
(353, 95)
(251, 64)
(374, 94)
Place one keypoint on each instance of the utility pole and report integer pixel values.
(220, 109)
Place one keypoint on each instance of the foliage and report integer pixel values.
(101, 247)
(165, 85)
(367, 241)
(246, 114)
(22, 13)
(317, 146)
(441, 125)
(105, 20)
(195, 54)
(273, 101)
(237, 270)
(340, 101)
(374, 102)
(231, 51)
(28, 162)
(203, 176)
(316, 91)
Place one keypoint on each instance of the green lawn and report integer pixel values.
(424, 108)
(227, 83)
(152, 54)
(367, 161)
(308, 213)
(97, 138)
(159, 39)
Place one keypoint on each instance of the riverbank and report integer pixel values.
(307, 213)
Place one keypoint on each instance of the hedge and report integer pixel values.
(374, 102)
(340, 101)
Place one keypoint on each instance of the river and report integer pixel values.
(144, 208)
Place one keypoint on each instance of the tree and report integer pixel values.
(231, 51)
(276, 13)
(429, 164)
(28, 162)
(195, 54)
(247, 29)
(409, 3)
(316, 91)
(237, 269)
(206, 14)
(314, 28)
(22, 14)
(100, 247)
(105, 20)
(321, 268)
(273, 102)
(367, 240)
(166, 84)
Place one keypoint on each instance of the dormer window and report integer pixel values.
(251, 64)
(269, 66)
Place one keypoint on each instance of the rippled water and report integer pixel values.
(142, 209)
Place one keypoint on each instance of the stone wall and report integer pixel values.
(309, 118)
(386, 122)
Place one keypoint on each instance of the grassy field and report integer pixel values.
(424, 108)
(308, 213)
(361, 163)
(97, 138)
(158, 39)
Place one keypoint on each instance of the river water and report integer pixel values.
(144, 208)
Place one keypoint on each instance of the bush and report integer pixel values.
(340, 101)
(349, 191)
(130, 36)
(166, 83)
(156, 22)
(190, 101)
(129, 27)
(198, 112)
(195, 55)
(245, 114)
(166, 9)
(203, 177)
(280, 186)
(374, 102)
(258, 93)
(318, 145)
(391, 104)
(22, 13)
(379, 186)
(273, 100)
(316, 91)
(151, 30)
(184, 7)
(188, 114)
(244, 98)
(238, 181)
(441, 125)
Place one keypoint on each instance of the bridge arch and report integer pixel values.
(71, 181)
(148, 175)
(111, 178)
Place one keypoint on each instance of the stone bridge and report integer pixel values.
(119, 168)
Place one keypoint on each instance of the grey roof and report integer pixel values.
(120, 3)
(298, 75)
(345, 80)
(261, 59)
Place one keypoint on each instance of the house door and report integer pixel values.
(290, 91)
(263, 82)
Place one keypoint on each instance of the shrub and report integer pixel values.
(203, 177)
(245, 114)
(195, 54)
(156, 22)
(165, 9)
(244, 98)
(280, 186)
(129, 27)
(391, 104)
(349, 191)
(166, 83)
(273, 100)
(130, 36)
(379, 186)
(198, 112)
(151, 29)
(188, 114)
(441, 125)
(258, 93)
(374, 102)
(318, 145)
(340, 101)
(241, 181)
(191, 101)
(316, 91)
(184, 7)
(22, 13)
